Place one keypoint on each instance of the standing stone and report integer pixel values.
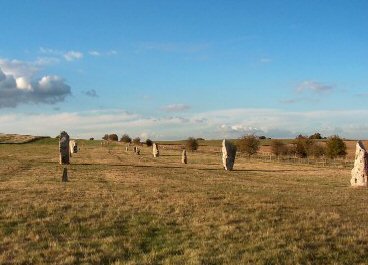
(64, 178)
(138, 151)
(64, 148)
(359, 173)
(155, 150)
(73, 147)
(228, 154)
(184, 159)
(126, 148)
(135, 149)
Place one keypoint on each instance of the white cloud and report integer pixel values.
(230, 123)
(18, 68)
(18, 85)
(23, 83)
(175, 107)
(73, 55)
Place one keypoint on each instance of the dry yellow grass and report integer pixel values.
(120, 208)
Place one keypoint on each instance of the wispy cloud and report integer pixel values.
(314, 86)
(173, 47)
(175, 107)
(94, 53)
(265, 60)
(73, 55)
(102, 53)
(299, 100)
(91, 93)
(363, 94)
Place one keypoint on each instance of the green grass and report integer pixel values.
(120, 208)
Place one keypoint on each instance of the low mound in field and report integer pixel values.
(18, 139)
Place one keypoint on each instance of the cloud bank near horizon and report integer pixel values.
(229, 123)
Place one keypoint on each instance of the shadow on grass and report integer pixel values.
(184, 167)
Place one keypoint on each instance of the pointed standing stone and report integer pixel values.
(228, 154)
(64, 178)
(184, 159)
(155, 150)
(359, 173)
(64, 148)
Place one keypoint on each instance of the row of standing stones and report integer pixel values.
(359, 173)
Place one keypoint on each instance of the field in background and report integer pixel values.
(120, 208)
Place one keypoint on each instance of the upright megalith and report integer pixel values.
(64, 177)
(64, 148)
(126, 148)
(184, 159)
(73, 147)
(228, 154)
(155, 150)
(359, 173)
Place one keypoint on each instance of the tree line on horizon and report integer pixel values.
(302, 146)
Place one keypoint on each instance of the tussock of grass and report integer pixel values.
(120, 208)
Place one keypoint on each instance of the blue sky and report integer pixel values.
(173, 69)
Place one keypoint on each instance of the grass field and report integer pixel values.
(120, 208)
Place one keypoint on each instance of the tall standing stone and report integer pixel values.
(359, 173)
(228, 154)
(184, 159)
(73, 147)
(64, 148)
(155, 150)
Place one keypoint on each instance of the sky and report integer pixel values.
(174, 69)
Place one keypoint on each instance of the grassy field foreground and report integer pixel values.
(120, 208)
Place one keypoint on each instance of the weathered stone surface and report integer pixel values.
(359, 173)
(184, 159)
(155, 150)
(126, 148)
(138, 151)
(64, 178)
(73, 147)
(228, 154)
(135, 149)
(64, 148)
